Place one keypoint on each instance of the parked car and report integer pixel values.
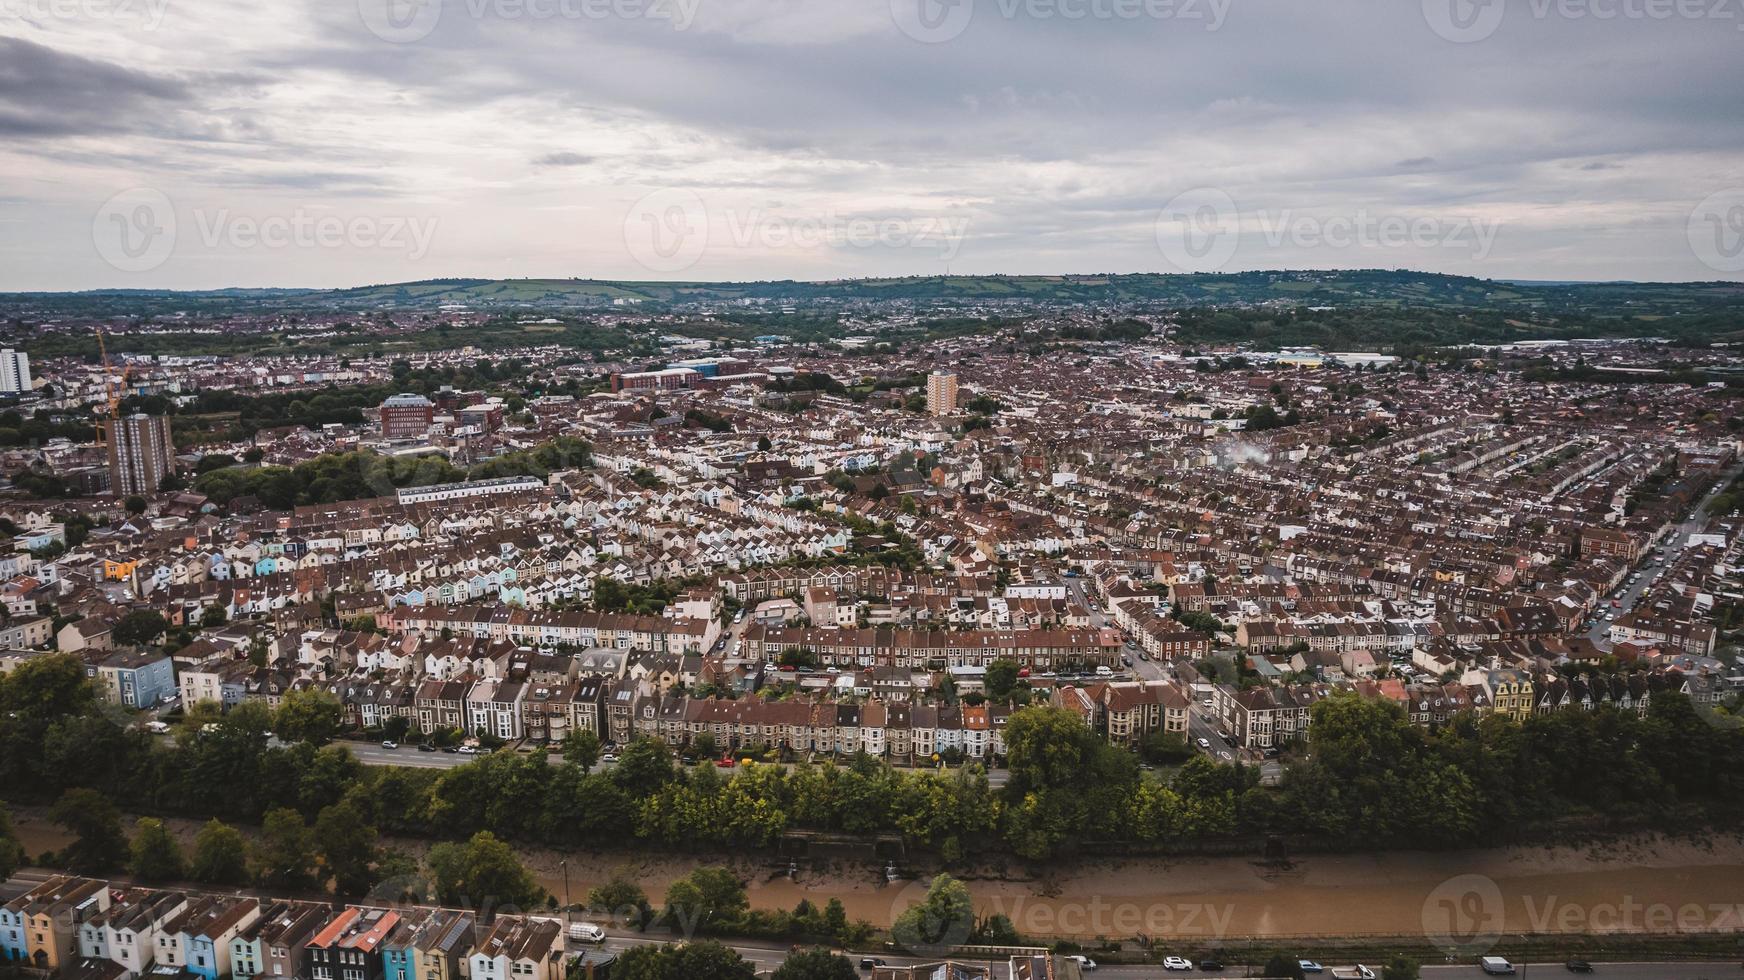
(1176, 963)
(1205, 744)
(1579, 966)
(725, 762)
(1309, 966)
(468, 750)
(389, 744)
(1084, 962)
(426, 747)
(870, 962)
(609, 757)
(1210, 966)
(1357, 972)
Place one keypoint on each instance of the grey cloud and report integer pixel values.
(44, 92)
(563, 159)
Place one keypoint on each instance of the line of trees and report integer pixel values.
(1372, 780)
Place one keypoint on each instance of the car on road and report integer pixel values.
(1210, 966)
(450, 749)
(725, 762)
(390, 744)
(609, 757)
(870, 962)
(1176, 963)
(426, 747)
(1084, 962)
(1579, 966)
(467, 750)
(1205, 743)
(1496, 966)
(1309, 966)
(1357, 972)
(586, 932)
(1225, 736)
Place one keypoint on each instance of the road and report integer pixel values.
(1650, 569)
(770, 957)
(372, 754)
(767, 956)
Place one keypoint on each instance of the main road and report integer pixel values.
(1653, 568)
(408, 756)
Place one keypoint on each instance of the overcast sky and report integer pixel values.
(209, 143)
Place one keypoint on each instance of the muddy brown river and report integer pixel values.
(1659, 886)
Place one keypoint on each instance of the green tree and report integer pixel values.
(220, 855)
(135, 504)
(946, 917)
(139, 628)
(11, 851)
(1401, 968)
(284, 855)
(707, 899)
(581, 749)
(815, 964)
(99, 845)
(309, 715)
(691, 961)
(1283, 967)
(645, 766)
(157, 855)
(347, 843)
(484, 871)
(618, 897)
(1000, 678)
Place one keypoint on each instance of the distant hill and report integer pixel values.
(1303, 288)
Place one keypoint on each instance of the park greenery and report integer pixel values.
(362, 475)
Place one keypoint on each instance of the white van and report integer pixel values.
(586, 932)
(1496, 966)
